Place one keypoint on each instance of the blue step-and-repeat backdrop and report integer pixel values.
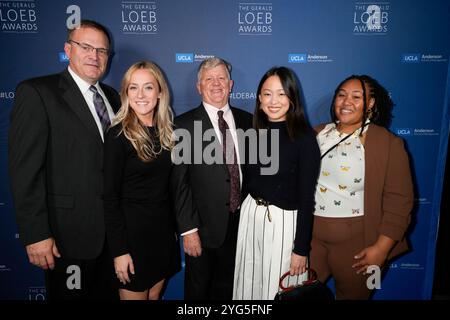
(404, 44)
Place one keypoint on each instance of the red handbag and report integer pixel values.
(311, 289)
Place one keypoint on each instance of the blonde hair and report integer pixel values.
(133, 129)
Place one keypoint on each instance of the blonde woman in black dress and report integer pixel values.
(137, 166)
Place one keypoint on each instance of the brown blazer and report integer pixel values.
(388, 188)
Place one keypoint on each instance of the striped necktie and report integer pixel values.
(100, 107)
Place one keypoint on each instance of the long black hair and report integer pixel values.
(296, 123)
(381, 112)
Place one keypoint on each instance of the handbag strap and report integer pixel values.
(343, 139)
(312, 276)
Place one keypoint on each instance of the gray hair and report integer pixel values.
(212, 63)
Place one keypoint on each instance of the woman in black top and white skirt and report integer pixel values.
(137, 165)
(276, 217)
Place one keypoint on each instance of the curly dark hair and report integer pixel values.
(296, 122)
(381, 113)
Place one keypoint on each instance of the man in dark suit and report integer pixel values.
(207, 197)
(55, 165)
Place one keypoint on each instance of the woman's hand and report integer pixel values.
(373, 255)
(298, 264)
(121, 265)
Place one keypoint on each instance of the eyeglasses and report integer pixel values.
(88, 49)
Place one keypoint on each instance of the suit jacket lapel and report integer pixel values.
(75, 100)
(202, 115)
(238, 121)
(113, 99)
(240, 124)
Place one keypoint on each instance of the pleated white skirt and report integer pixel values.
(264, 248)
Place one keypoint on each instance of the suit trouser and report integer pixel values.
(210, 276)
(335, 243)
(78, 279)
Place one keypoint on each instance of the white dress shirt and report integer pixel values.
(228, 117)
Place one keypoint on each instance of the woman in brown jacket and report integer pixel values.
(364, 193)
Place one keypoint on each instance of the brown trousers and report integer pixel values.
(335, 243)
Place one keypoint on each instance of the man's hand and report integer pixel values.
(41, 253)
(192, 244)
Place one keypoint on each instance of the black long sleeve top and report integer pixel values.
(293, 186)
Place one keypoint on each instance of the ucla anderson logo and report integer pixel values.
(416, 131)
(184, 57)
(411, 57)
(403, 131)
(63, 57)
(308, 58)
(422, 57)
(297, 58)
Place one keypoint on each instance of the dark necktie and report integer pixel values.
(100, 107)
(229, 152)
